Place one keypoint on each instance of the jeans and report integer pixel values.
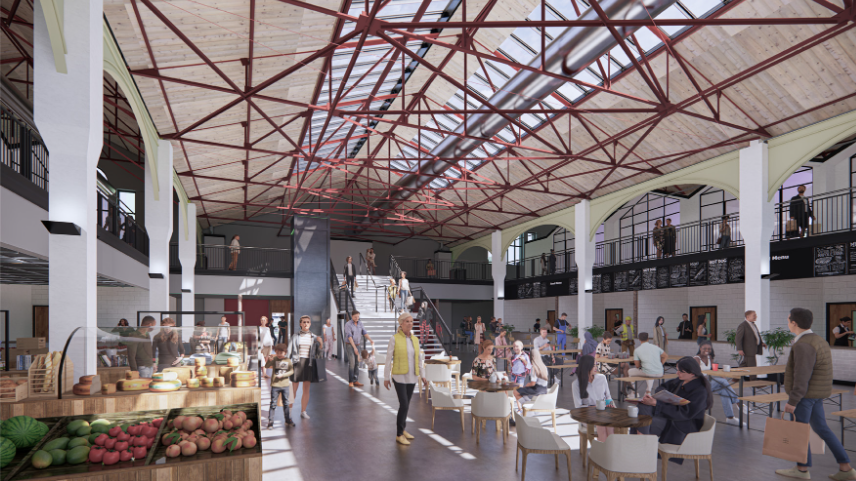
(470, 334)
(146, 371)
(724, 241)
(729, 397)
(221, 342)
(404, 295)
(274, 396)
(405, 392)
(373, 376)
(353, 365)
(811, 411)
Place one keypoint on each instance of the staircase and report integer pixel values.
(432, 347)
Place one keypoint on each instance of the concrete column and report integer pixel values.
(756, 226)
(159, 224)
(498, 270)
(187, 257)
(584, 255)
(68, 111)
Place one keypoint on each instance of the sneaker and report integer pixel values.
(733, 421)
(358, 384)
(289, 423)
(794, 473)
(270, 424)
(402, 440)
(408, 435)
(840, 476)
(304, 415)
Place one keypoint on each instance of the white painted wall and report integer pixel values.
(521, 313)
(234, 285)
(341, 249)
(115, 303)
(115, 265)
(467, 292)
(18, 300)
(21, 226)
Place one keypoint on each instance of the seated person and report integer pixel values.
(649, 360)
(536, 387)
(717, 384)
(589, 386)
(484, 364)
(602, 351)
(672, 422)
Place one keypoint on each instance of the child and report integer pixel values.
(371, 365)
(280, 383)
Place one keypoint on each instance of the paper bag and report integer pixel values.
(818, 445)
(786, 440)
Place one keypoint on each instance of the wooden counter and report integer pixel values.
(71, 405)
(112, 374)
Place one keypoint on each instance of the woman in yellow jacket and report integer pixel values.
(403, 366)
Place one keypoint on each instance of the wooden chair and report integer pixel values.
(696, 446)
(443, 401)
(623, 456)
(545, 403)
(490, 406)
(534, 439)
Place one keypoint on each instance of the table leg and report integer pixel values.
(778, 391)
(620, 430)
(740, 405)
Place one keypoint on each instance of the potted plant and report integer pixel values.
(777, 340)
(596, 331)
(731, 337)
(575, 332)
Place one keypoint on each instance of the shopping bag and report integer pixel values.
(321, 369)
(818, 445)
(786, 440)
(409, 302)
(791, 225)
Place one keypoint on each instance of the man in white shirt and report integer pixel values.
(649, 360)
(542, 343)
(222, 334)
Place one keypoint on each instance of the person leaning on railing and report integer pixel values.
(724, 233)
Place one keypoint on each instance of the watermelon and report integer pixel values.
(7, 451)
(24, 431)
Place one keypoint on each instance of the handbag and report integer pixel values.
(410, 301)
(786, 440)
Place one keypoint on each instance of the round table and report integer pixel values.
(487, 386)
(610, 417)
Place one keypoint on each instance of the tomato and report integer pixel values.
(101, 439)
(111, 457)
(138, 441)
(157, 422)
(110, 443)
(125, 455)
(150, 431)
(140, 452)
(96, 454)
(134, 430)
(149, 443)
(123, 436)
(114, 431)
(121, 446)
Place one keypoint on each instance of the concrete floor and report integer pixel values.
(351, 435)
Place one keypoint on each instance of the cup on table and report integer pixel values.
(726, 368)
(632, 411)
(600, 405)
(715, 366)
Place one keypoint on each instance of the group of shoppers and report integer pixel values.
(548, 263)
(665, 238)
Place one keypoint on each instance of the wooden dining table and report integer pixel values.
(739, 373)
(487, 386)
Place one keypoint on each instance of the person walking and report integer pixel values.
(403, 363)
(234, 250)
(223, 334)
(561, 328)
(403, 289)
(329, 339)
(669, 238)
(724, 233)
(701, 333)
(350, 273)
(140, 351)
(748, 340)
(354, 333)
(478, 329)
(685, 328)
(808, 381)
(167, 345)
(267, 340)
(305, 348)
(283, 330)
(625, 332)
(649, 360)
(552, 261)
(370, 260)
(800, 210)
(392, 293)
(661, 339)
(658, 236)
(544, 271)
(280, 384)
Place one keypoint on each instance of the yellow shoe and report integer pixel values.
(408, 435)
(402, 440)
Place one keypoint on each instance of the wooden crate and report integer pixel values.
(13, 394)
(38, 378)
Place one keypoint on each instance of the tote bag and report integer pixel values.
(786, 440)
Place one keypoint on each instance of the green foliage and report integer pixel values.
(596, 331)
(731, 338)
(575, 332)
(777, 340)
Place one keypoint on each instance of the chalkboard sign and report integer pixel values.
(572, 286)
(521, 291)
(649, 278)
(717, 271)
(556, 288)
(595, 284)
(662, 277)
(830, 260)
(853, 257)
(619, 281)
(792, 264)
(606, 283)
(678, 275)
(634, 280)
(735, 269)
(698, 273)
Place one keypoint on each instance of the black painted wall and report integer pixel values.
(311, 244)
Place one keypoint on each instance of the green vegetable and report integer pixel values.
(77, 455)
(58, 443)
(81, 441)
(58, 456)
(42, 459)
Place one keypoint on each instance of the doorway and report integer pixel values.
(834, 312)
(551, 319)
(704, 315)
(613, 318)
(41, 328)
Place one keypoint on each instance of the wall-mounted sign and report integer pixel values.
(735, 269)
(649, 278)
(830, 260)
(572, 286)
(853, 257)
(792, 264)
(595, 284)
(634, 280)
(678, 275)
(619, 281)
(606, 283)
(717, 271)
(555, 288)
(662, 277)
(698, 273)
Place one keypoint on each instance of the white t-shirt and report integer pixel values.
(649, 356)
(267, 339)
(223, 331)
(305, 344)
(405, 285)
(598, 390)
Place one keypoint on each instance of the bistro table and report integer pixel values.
(487, 386)
(611, 418)
(740, 372)
(561, 368)
(448, 363)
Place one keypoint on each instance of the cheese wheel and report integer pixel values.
(165, 376)
(165, 386)
(233, 361)
(207, 382)
(243, 375)
(82, 389)
(199, 360)
(132, 374)
(243, 383)
(108, 388)
(201, 372)
(219, 382)
(192, 383)
(86, 379)
(133, 384)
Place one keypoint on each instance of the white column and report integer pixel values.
(756, 226)
(68, 112)
(584, 255)
(187, 257)
(159, 224)
(498, 270)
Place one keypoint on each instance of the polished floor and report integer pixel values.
(351, 436)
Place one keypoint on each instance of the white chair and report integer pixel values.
(623, 456)
(439, 374)
(490, 406)
(544, 403)
(532, 438)
(443, 401)
(696, 446)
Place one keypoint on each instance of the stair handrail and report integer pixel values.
(364, 270)
(341, 293)
(394, 268)
(446, 339)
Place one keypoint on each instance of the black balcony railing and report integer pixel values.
(439, 269)
(22, 149)
(254, 261)
(559, 263)
(833, 212)
(116, 219)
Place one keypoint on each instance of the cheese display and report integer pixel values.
(133, 384)
(165, 386)
(132, 375)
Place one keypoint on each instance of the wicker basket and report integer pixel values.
(13, 394)
(40, 378)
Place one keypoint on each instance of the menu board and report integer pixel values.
(830, 260)
(606, 283)
(678, 275)
(698, 273)
(853, 257)
(556, 288)
(649, 278)
(620, 281)
(634, 280)
(735, 269)
(572, 286)
(595, 284)
(717, 271)
(662, 277)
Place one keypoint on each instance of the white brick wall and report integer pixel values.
(521, 313)
(115, 303)
(669, 303)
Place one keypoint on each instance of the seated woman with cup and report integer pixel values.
(591, 388)
(673, 422)
(719, 385)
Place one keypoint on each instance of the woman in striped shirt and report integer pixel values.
(305, 349)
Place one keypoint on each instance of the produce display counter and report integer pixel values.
(112, 374)
(71, 405)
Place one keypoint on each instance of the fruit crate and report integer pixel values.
(43, 383)
(13, 394)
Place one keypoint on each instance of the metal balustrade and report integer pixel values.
(439, 269)
(252, 261)
(115, 218)
(22, 149)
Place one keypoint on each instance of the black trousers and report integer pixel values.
(350, 281)
(405, 392)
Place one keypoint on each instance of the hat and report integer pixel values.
(845, 319)
(628, 318)
(403, 316)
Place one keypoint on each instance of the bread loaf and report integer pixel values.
(132, 375)
(108, 388)
(133, 384)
